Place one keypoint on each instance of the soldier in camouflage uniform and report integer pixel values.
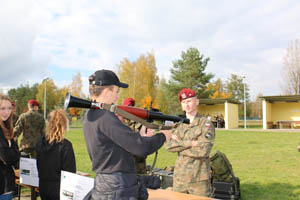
(32, 125)
(193, 142)
(140, 162)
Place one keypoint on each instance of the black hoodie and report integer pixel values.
(9, 157)
(51, 159)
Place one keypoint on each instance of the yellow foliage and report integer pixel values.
(219, 91)
(75, 89)
(141, 77)
(222, 94)
(75, 111)
(146, 102)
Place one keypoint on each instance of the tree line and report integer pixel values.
(55, 96)
(146, 87)
(189, 71)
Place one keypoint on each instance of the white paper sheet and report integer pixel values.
(74, 186)
(28, 172)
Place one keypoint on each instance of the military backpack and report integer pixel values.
(221, 168)
(226, 185)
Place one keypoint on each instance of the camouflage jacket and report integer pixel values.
(32, 125)
(135, 126)
(192, 164)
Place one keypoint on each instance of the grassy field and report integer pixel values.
(267, 163)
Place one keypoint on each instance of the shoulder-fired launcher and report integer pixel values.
(75, 102)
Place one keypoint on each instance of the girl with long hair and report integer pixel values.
(9, 151)
(54, 153)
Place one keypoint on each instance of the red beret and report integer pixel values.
(185, 94)
(129, 102)
(33, 102)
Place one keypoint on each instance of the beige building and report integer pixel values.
(281, 111)
(228, 108)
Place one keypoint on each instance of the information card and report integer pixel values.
(74, 186)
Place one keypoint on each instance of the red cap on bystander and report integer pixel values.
(129, 102)
(34, 102)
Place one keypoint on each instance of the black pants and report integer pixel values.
(49, 190)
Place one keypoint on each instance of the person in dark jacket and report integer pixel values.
(9, 151)
(111, 143)
(54, 153)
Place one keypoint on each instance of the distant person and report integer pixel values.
(111, 144)
(193, 143)
(140, 162)
(32, 125)
(127, 102)
(9, 153)
(222, 121)
(54, 153)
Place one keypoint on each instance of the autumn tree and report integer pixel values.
(148, 102)
(75, 89)
(141, 75)
(218, 89)
(291, 69)
(61, 95)
(162, 96)
(51, 95)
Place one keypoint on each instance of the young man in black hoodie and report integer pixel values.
(111, 144)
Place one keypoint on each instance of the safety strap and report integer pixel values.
(153, 164)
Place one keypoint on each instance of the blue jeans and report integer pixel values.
(6, 196)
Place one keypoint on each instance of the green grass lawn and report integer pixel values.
(267, 163)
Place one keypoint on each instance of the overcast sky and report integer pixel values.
(60, 38)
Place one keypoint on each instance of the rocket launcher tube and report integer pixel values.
(75, 102)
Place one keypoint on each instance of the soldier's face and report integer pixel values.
(190, 105)
(36, 108)
(5, 110)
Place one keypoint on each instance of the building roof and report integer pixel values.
(217, 101)
(285, 98)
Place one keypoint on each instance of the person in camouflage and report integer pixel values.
(32, 125)
(193, 143)
(140, 162)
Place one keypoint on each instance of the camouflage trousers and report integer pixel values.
(201, 188)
